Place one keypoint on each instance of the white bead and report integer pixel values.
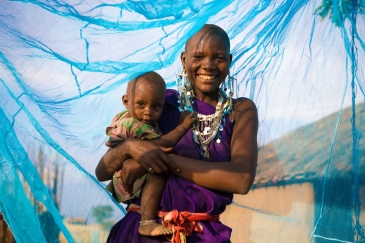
(218, 140)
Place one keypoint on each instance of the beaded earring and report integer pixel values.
(185, 90)
(229, 87)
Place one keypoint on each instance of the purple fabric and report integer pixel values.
(181, 194)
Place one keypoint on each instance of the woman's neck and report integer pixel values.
(209, 98)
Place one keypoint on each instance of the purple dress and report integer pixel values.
(181, 194)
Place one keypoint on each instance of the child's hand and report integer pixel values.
(187, 119)
(118, 175)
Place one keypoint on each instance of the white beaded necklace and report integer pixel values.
(207, 127)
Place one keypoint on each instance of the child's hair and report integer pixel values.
(151, 77)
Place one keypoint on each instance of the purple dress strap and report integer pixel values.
(181, 194)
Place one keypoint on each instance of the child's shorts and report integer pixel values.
(120, 194)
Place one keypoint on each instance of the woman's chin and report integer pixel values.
(209, 89)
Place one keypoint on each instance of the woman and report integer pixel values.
(211, 162)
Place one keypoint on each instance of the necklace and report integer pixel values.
(207, 127)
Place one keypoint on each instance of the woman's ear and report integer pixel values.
(182, 58)
(125, 101)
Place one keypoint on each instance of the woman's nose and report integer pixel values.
(208, 63)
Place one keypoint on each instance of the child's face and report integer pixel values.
(145, 101)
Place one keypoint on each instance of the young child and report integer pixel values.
(144, 100)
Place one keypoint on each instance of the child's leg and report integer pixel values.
(150, 200)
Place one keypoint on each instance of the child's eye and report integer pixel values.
(157, 106)
(140, 104)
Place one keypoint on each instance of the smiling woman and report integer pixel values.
(221, 144)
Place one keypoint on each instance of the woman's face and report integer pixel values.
(206, 61)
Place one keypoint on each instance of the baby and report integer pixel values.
(144, 100)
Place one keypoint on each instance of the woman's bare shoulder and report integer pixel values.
(243, 106)
(243, 102)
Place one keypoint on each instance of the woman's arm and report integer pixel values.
(146, 153)
(238, 175)
(111, 162)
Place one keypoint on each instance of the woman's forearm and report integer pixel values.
(148, 155)
(112, 161)
(234, 177)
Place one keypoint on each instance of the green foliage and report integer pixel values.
(102, 214)
(107, 224)
(339, 10)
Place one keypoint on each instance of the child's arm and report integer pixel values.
(172, 138)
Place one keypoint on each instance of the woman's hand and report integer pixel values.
(151, 157)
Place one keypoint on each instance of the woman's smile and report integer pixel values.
(207, 77)
(209, 81)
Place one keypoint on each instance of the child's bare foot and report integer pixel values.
(151, 228)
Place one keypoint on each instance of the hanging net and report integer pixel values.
(63, 69)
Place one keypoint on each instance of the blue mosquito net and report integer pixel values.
(63, 69)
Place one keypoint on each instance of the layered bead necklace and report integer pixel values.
(207, 127)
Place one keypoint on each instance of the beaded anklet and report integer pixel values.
(145, 222)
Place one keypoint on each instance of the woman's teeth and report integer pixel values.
(206, 77)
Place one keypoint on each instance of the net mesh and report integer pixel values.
(64, 66)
